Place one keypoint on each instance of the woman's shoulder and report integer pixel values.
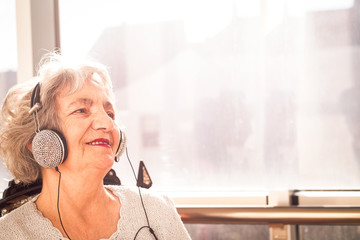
(19, 212)
(16, 219)
(159, 209)
(134, 191)
(26, 222)
(130, 193)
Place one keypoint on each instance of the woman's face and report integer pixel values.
(88, 123)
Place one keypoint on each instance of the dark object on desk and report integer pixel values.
(143, 179)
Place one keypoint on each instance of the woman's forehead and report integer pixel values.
(88, 93)
(75, 81)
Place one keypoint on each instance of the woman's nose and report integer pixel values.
(102, 121)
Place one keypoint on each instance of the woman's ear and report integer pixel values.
(29, 146)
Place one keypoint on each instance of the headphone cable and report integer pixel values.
(141, 198)
(58, 200)
(142, 201)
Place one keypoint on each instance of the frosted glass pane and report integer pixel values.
(227, 94)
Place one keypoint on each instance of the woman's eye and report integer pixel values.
(81, 110)
(111, 115)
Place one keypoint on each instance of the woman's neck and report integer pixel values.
(81, 197)
(80, 189)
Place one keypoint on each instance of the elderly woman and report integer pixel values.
(72, 107)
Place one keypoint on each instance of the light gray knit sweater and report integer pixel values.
(26, 222)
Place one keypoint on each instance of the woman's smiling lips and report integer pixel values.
(100, 142)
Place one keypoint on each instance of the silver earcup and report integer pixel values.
(121, 147)
(49, 148)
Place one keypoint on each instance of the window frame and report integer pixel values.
(35, 37)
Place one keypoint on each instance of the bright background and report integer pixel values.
(229, 95)
(222, 95)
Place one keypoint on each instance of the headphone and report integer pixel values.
(49, 146)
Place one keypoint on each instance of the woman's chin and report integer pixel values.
(107, 163)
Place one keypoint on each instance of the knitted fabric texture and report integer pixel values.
(27, 222)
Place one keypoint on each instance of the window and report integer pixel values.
(230, 95)
(8, 63)
(227, 96)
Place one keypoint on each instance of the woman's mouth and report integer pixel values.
(100, 142)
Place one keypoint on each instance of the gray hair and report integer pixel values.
(17, 126)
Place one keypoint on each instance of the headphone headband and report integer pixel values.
(35, 104)
(35, 96)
